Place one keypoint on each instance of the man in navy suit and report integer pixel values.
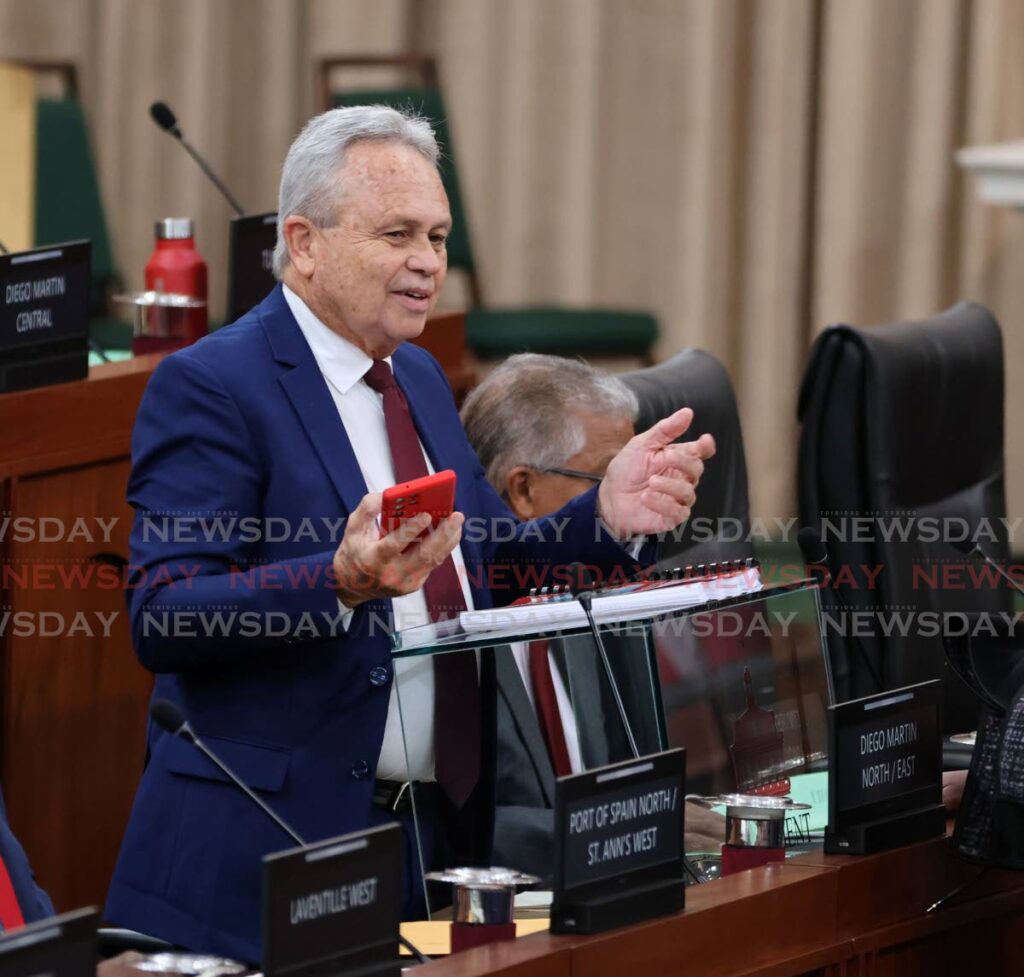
(263, 592)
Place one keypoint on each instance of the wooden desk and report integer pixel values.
(73, 697)
(814, 916)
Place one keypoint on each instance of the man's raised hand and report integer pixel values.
(650, 485)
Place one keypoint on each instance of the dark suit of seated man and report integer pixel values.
(264, 593)
(545, 429)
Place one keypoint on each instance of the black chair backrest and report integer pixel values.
(719, 528)
(902, 451)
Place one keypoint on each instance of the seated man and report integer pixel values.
(545, 429)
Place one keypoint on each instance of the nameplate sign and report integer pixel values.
(619, 844)
(250, 262)
(334, 907)
(885, 770)
(62, 946)
(44, 315)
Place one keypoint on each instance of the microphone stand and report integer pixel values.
(585, 597)
(186, 732)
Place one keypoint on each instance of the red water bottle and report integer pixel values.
(175, 267)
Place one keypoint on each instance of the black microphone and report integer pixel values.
(970, 548)
(581, 584)
(163, 116)
(812, 547)
(170, 718)
(815, 555)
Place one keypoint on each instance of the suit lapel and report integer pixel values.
(512, 690)
(577, 660)
(306, 388)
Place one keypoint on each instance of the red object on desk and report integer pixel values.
(738, 859)
(177, 267)
(465, 936)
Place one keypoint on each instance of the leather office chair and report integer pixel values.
(490, 332)
(905, 422)
(719, 527)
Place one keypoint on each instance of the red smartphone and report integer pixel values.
(434, 494)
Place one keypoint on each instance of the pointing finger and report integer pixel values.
(668, 428)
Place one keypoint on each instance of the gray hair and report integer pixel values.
(527, 412)
(309, 176)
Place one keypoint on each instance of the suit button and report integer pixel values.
(360, 769)
(379, 675)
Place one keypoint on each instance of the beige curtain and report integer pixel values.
(751, 170)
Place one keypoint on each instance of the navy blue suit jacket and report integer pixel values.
(35, 904)
(239, 427)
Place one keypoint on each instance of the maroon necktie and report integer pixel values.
(456, 691)
(547, 708)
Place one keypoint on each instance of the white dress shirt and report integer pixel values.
(361, 410)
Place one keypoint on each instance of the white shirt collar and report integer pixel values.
(342, 363)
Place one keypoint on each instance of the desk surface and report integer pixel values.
(826, 915)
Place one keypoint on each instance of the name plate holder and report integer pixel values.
(44, 316)
(885, 770)
(619, 844)
(334, 907)
(250, 262)
(61, 946)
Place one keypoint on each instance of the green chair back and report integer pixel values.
(68, 202)
(497, 333)
(429, 103)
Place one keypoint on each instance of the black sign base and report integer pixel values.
(44, 370)
(600, 913)
(889, 832)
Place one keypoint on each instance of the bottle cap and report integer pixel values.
(174, 228)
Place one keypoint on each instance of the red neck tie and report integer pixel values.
(10, 911)
(547, 708)
(456, 692)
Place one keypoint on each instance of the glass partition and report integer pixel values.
(741, 684)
